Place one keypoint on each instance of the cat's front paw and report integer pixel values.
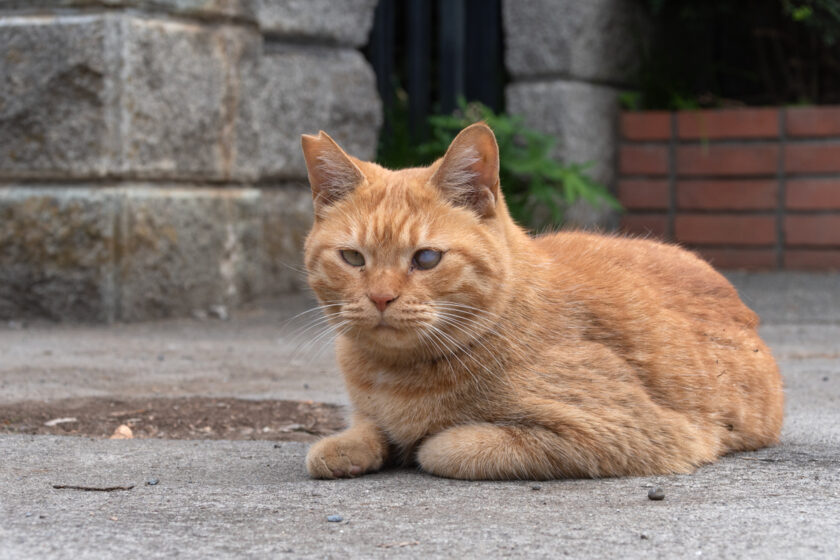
(343, 456)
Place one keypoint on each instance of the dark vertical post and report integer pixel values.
(452, 52)
(381, 53)
(670, 229)
(781, 177)
(483, 71)
(417, 63)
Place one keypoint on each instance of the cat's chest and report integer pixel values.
(409, 413)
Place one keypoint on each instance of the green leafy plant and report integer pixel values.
(538, 188)
(721, 53)
(823, 16)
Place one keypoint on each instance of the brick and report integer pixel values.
(739, 259)
(648, 125)
(809, 157)
(728, 124)
(725, 230)
(813, 121)
(813, 194)
(744, 160)
(812, 259)
(813, 230)
(726, 195)
(643, 193)
(646, 225)
(643, 160)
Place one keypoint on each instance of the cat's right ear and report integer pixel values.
(332, 174)
(468, 174)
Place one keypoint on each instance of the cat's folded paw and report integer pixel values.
(471, 452)
(341, 457)
(486, 451)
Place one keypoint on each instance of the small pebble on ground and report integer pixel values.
(334, 518)
(656, 493)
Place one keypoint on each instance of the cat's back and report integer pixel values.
(678, 325)
(616, 269)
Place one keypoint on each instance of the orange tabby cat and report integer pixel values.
(483, 353)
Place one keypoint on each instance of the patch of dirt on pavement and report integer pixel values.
(175, 418)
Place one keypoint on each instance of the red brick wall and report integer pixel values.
(746, 188)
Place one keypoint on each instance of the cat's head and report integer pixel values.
(415, 259)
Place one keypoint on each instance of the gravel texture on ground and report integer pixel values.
(227, 498)
(252, 499)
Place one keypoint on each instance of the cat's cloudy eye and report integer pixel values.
(351, 257)
(424, 259)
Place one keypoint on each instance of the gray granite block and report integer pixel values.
(583, 118)
(118, 96)
(187, 251)
(594, 40)
(239, 9)
(57, 250)
(56, 94)
(305, 89)
(345, 23)
(187, 101)
(143, 251)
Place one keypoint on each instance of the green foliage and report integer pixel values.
(823, 16)
(397, 149)
(537, 187)
(723, 53)
(631, 100)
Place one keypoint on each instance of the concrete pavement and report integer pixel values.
(220, 498)
(262, 354)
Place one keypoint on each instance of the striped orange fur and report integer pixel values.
(564, 355)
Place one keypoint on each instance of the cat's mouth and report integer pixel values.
(383, 325)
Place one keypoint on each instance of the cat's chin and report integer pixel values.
(388, 335)
(389, 338)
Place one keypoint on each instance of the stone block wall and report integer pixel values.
(150, 162)
(747, 188)
(568, 61)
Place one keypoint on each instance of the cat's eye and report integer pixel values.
(351, 257)
(424, 259)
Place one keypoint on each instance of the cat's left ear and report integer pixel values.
(468, 175)
(332, 174)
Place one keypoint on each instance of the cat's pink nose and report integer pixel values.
(381, 301)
